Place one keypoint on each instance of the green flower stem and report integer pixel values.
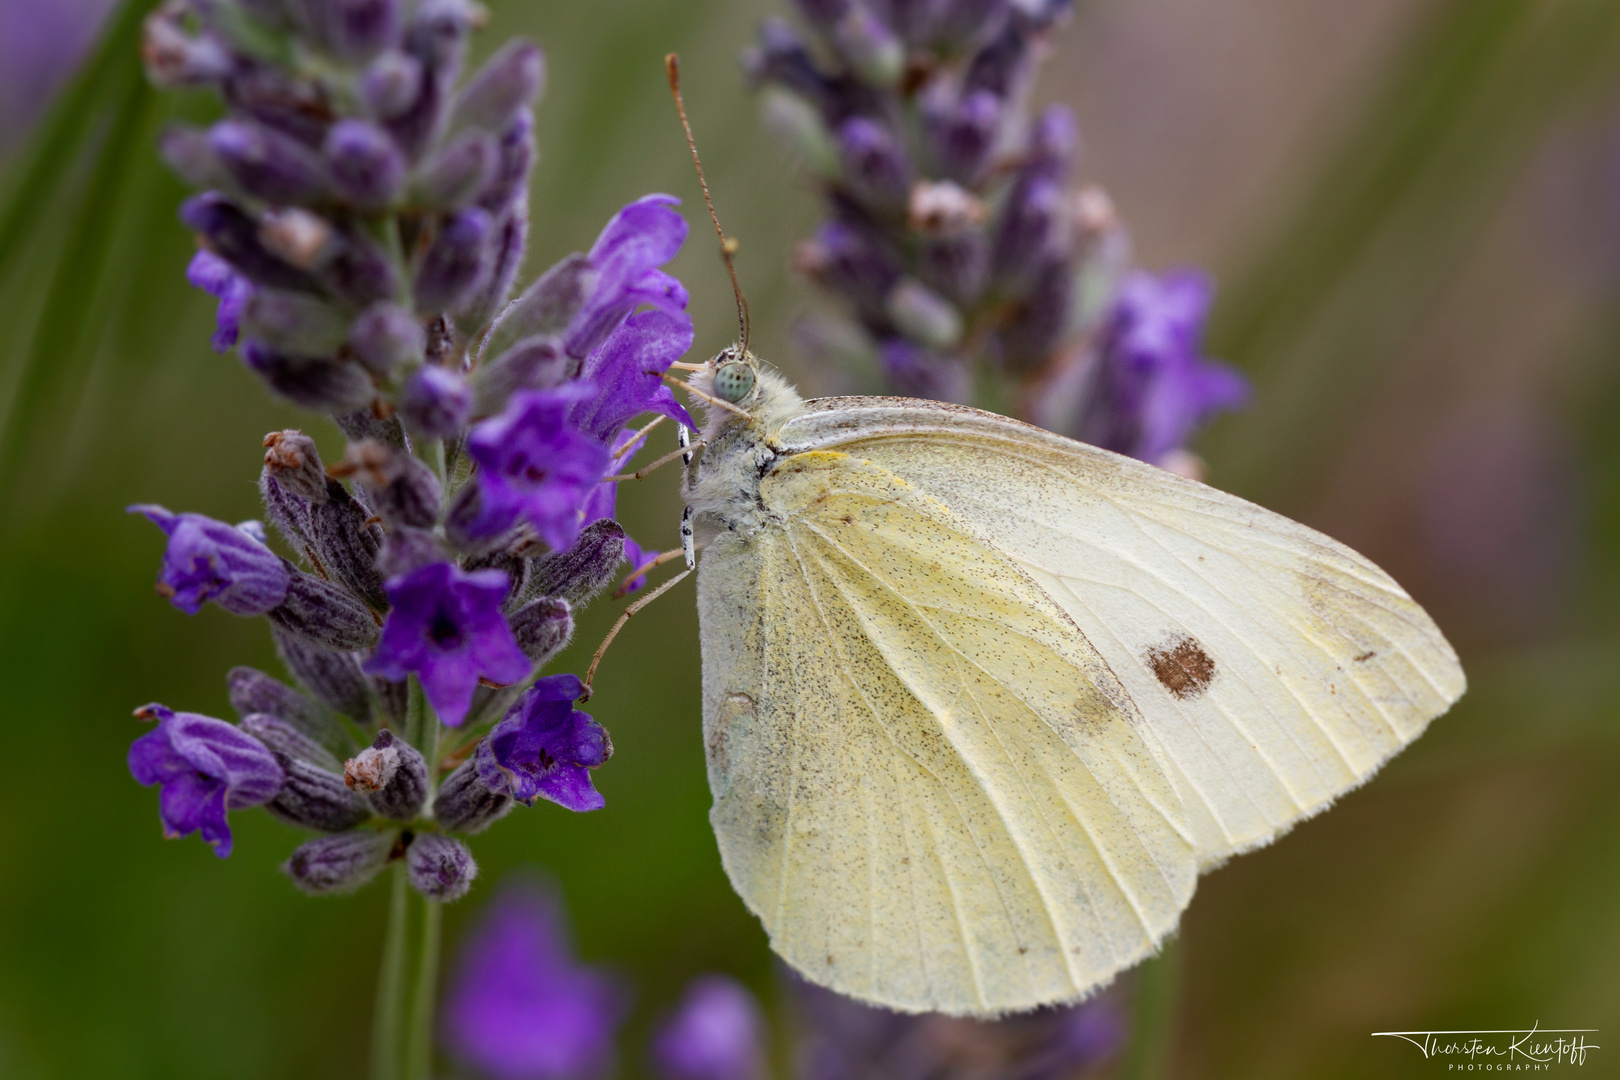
(419, 1038)
(1158, 983)
(389, 1016)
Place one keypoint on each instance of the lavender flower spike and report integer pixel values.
(205, 767)
(519, 1007)
(446, 626)
(210, 560)
(545, 748)
(717, 1033)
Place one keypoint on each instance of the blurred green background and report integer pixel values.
(1413, 208)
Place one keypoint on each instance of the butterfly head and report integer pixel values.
(743, 391)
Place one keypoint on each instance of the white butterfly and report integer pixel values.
(981, 702)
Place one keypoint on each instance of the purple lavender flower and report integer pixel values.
(716, 1033)
(210, 560)
(627, 372)
(545, 748)
(219, 279)
(1150, 388)
(447, 627)
(205, 767)
(519, 1007)
(626, 256)
(535, 464)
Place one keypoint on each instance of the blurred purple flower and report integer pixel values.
(535, 464)
(1150, 388)
(40, 43)
(639, 239)
(205, 767)
(446, 626)
(545, 748)
(519, 1007)
(216, 277)
(210, 560)
(716, 1033)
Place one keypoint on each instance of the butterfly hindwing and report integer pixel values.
(927, 784)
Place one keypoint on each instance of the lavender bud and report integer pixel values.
(366, 166)
(302, 237)
(353, 29)
(360, 271)
(959, 24)
(436, 402)
(546, 307)
(851, 261)
(509, 562)
(963, 134)
(875, 167)
(392, 774)
(1055, 140)
(291, 458)
(386, 336)
(458, 172)
(1033, 232)
(401, 489)
(285, 738)
(333, 677)
(234, 236)
(465, 804)
(511, 234)
(798, 126)
(510, 80)
(176, 58)
(393, 697)
(391, 84)
(871, 49)
(334, 386)
(275, 167)
(543, 628)
(294, 323)
(316, 798)
(536, 363)
(252, 692)
(1003, 65)
(583, 570)
(440, 868)
(509, 186)
(1027, 343)
(286, 511)
(345, 540)
(416, 126)
(406, 549)
(364, 424)
(782, 58)
(333, 865)
(455, 262)
(324, 615)
(187, 152)
(923, 315)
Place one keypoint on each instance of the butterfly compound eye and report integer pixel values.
(734, 381)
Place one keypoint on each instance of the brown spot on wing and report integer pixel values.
(1182, 666)
(1364, 657)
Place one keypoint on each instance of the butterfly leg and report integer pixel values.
(590, 672)
(684, 438)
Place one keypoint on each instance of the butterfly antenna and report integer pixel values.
(728, 246)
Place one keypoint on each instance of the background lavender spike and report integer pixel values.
(956, 250)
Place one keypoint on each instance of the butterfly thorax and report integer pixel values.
(740, 449)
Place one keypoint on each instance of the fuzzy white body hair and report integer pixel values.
(738, 451)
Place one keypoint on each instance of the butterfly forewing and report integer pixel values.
(1274, 667)
(927, 784)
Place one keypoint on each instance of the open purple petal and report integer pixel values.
(628, 370)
